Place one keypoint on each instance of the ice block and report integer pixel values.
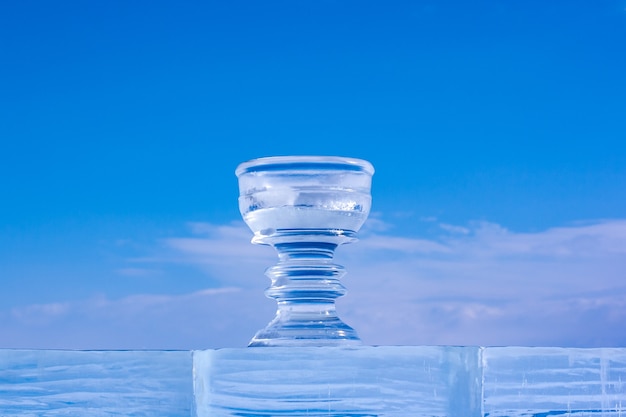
(95, 383)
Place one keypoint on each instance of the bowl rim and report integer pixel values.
(304, 162)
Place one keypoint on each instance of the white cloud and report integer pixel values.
(207, 318)
(224, 252)
(476, 284)
(454, 229)
(492, 286)
(40, 313)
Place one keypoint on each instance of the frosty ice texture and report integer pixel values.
(338, 382)
(385, 381)
(419, 381)
(545, 381)
(304, 192)
(266, 222)
(46, 383)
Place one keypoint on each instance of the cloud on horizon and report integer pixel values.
(475, 284)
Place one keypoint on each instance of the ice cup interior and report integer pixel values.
(304, 192)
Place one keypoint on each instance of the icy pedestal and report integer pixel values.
(334, 381)
(389, 381)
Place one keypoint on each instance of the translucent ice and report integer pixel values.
(333, 381)
(385, 381)
(95, 383)
(543, 381)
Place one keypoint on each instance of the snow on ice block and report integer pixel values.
(332, 382)
(47, 383)
(543, 381)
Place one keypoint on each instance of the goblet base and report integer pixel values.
(281, 333)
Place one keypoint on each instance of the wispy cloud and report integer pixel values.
(211, 317)
(40, 313)
(472, 284)
(563, 286)
(222, 251)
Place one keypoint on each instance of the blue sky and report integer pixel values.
(496, 129)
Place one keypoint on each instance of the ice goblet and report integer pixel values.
(305, 207)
